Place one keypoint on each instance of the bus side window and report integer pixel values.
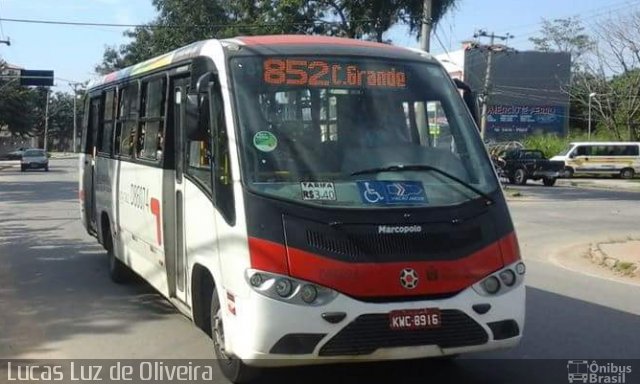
(127, 120)
(106, 139)
(149, 145)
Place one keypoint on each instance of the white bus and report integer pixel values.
(287, 194)
(613, 158)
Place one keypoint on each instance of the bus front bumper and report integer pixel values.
(269, 333)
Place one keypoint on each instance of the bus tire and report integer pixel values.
(627, 173)
(232, 368)
(118, 271)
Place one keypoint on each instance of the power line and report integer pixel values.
(159, 26)
(609, 10)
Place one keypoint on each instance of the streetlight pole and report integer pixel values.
(591, 96)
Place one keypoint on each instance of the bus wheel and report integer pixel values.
(118, 271)
(232, 367)
(627, 173)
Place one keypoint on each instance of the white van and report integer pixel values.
(603, 157)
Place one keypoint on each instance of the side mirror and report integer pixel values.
(470, 99)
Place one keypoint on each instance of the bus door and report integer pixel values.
(89, 148)
(173, 185)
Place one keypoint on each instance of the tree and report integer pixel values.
(181, 22)
(613, 75)
(564, 35)
(569, 35)
(18, 105)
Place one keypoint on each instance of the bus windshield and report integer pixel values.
(347, 131)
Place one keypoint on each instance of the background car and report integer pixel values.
(17, 154)
(34, 159)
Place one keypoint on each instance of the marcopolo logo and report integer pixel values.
(387, 229)
(585, 371)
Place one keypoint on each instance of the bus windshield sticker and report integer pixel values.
(392, 192)
(265, 141)
(318, 190)
(322, 73)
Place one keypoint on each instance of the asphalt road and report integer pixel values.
(56, 300)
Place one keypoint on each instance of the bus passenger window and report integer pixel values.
(151, 126)
(106, 140)
(127, 120)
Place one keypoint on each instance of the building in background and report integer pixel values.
(526, 93)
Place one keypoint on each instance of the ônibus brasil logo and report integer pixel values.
(587, 372)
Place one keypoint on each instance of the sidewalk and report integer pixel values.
(620, 257)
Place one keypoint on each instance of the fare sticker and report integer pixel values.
(318, 191)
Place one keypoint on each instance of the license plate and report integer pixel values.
(411, 319)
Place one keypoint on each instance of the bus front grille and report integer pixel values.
(358, 245)
(367, 333)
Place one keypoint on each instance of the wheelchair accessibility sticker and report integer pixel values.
(392, 192)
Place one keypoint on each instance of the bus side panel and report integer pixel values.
(139, 220)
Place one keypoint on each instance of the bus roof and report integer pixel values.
(605, 143)
(272, 44)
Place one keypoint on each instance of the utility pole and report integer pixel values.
(46, 120)
(487, 78)
(425, 42)
(425, 31)
(75, 119)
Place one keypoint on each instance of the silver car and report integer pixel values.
(34, 159)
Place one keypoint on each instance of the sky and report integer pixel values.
(73, 51)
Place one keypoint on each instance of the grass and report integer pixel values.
(624, 267)
(551, 145)
(516, 194)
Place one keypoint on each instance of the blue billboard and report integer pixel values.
(507, 120)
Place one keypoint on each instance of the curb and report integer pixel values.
(589, 260)
(614, 264)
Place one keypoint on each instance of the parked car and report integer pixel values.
(17, 154)
(620, 159)
(520, 165)
(34, 159)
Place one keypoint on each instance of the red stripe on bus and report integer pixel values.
(510, 249)
(268, 256)
(383, 279)
(311, 40)
(155, 210)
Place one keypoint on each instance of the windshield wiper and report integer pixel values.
(421, 167)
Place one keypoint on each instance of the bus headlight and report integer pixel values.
(491, 284)
(283, 287)
(256, 280)
(508, 277)
(288, 289)
(501, 281)
(309, 293)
